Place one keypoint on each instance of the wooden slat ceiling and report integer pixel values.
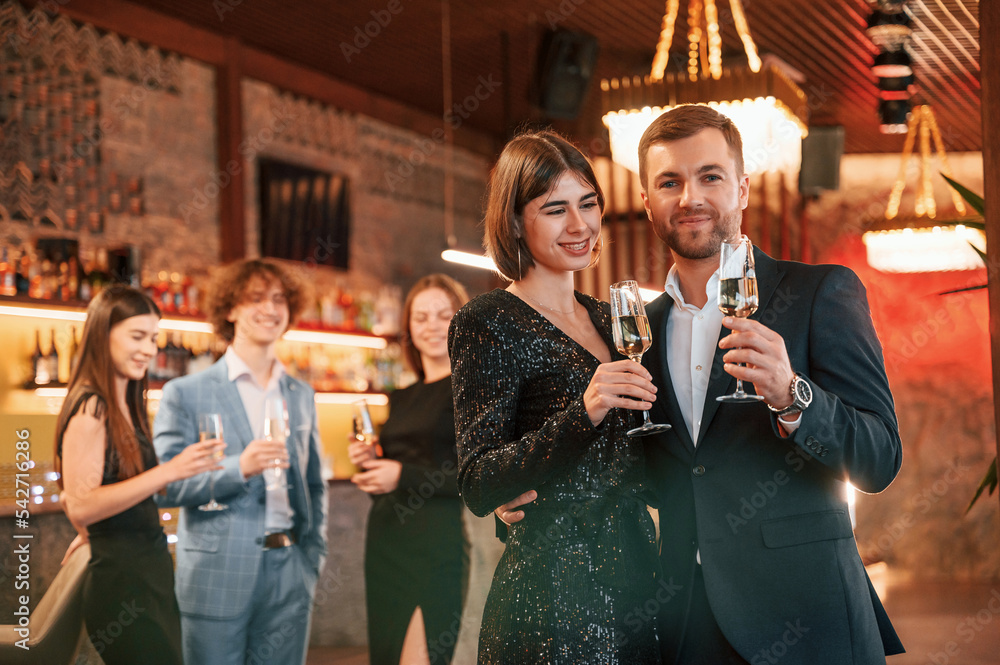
(823, 39)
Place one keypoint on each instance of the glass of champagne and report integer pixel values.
(632, 337)
(275, 429)
(737, 295)
(210, 427)
(363, 428)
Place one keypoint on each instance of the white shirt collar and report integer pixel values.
(673, 288)
(238, 368)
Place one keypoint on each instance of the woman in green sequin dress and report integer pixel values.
(542, 402)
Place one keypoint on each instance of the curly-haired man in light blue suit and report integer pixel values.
(246, 574)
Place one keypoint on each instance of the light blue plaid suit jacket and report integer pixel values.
(219, 553)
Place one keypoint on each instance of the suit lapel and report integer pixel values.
(721, 382)
(232, 403)
(665, 408)
(297, 496)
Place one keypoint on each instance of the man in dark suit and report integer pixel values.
(754, 519)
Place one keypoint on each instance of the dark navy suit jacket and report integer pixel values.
(769, 514)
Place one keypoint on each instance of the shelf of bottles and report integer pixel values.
(344, 344)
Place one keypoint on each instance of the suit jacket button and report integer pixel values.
(260, 541)
(698, 470)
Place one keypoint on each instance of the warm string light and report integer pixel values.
(714, 40)
(769, 108)
(743, 28)
(923, 123)
(662, 56)
(919, 246)
(694, 38)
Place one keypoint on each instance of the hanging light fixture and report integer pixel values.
(921, 243)
(889, 30)
(767, 107)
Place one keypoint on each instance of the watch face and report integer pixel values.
(803, 393)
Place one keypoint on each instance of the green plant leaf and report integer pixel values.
(967, 288)
(973, 199)
(989, 482)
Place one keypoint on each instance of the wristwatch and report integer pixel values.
(802, 397)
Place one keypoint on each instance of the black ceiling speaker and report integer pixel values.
(821, 153)
(565, 65)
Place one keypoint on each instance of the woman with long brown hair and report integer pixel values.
(414, 548)
(109, 474)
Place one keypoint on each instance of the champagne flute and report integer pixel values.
(737, 295)
(210, 427)
(632, 337)
(275, 429)
(364, 430)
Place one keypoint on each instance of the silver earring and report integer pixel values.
(519, 261)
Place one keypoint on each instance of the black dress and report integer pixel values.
(577, 581)
(129, 607)
(415, 549)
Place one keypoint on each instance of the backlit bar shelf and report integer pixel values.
(154, 394)
(71, 313)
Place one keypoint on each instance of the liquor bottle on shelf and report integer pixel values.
(163, 296)
(34, 276)
(39, 362)
(177, 294)
(87, 265)
(22, 280)
(53, 360)
(8, 275)
(47, 280)
(99, 277)
(73, 279)
(158, 370)
(180, 356)
(190, 290)
(62, 281)
(74, 350)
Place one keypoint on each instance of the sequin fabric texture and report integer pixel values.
(576, 581)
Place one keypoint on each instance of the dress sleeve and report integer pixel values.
(494, 465)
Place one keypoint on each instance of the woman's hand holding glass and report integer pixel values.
(376, 476)
(630, 326)
(209, 430)
(622, 384)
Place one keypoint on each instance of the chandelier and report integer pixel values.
(920, 243)
(765, 104)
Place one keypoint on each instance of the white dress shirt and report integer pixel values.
(692, 336)
(278, 514)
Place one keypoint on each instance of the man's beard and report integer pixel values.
(703, 246)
